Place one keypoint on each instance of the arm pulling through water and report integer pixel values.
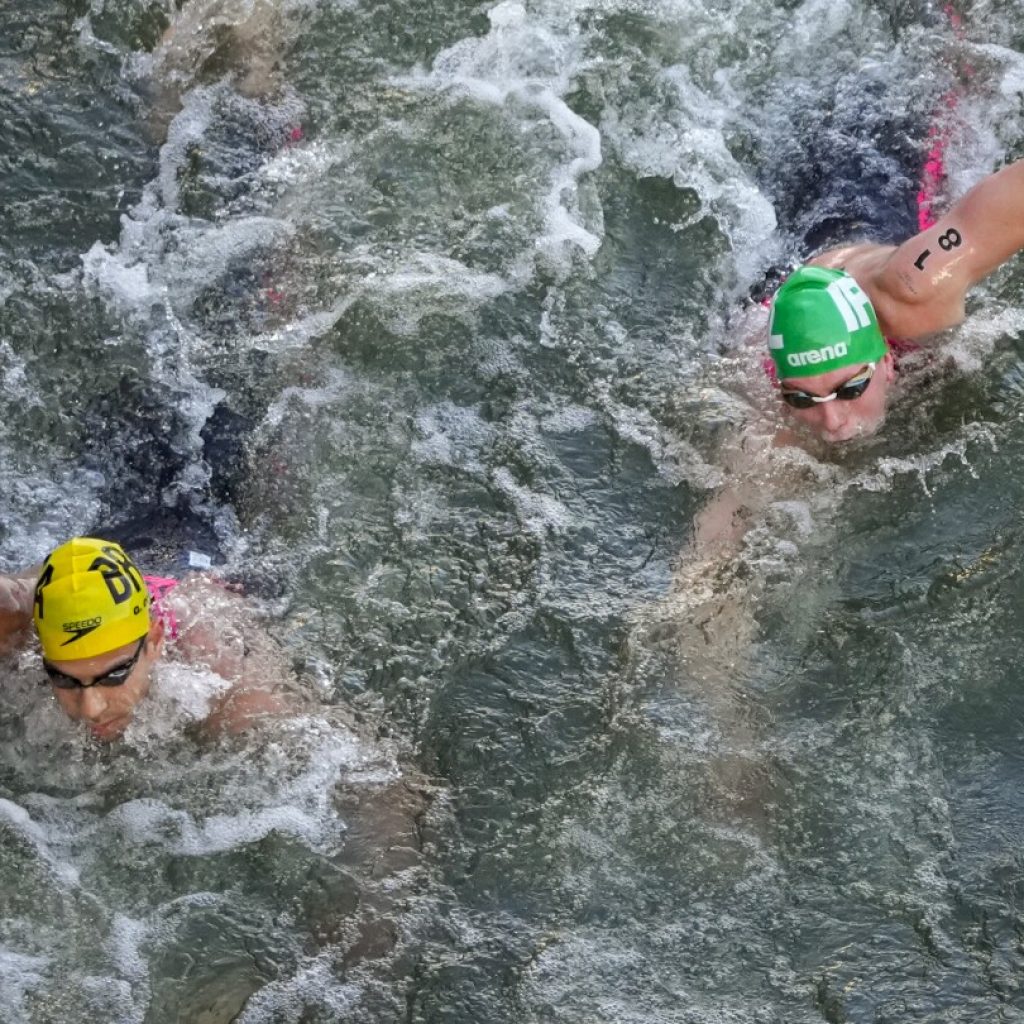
(932, 272)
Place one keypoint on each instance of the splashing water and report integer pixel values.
(431, 323)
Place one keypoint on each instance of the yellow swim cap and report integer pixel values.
(90, 599)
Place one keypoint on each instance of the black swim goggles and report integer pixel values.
(113, 677)
(846, 392)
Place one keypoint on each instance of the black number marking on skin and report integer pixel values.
(950, 240)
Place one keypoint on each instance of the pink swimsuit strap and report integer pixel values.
(900, 347)
(160, 587)
(933, 175)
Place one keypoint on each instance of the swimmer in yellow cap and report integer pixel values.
(101, 625)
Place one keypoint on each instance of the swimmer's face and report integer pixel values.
(839, 420)
(107, 710)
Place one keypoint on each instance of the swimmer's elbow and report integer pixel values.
(15, 613)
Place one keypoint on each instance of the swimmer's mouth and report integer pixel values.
(109, 730)
(859, 433)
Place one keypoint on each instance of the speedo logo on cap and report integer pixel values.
(818, 355)
(80, 629)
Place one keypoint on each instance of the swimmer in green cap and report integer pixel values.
(830, 320)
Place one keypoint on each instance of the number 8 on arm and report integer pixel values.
(929, 275)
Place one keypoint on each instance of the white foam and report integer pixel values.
(42, 508)
(88, 40)
(521, 63)
(141, 822)
(125, 943)
(186, 129)
(974, 341)
(335, 387)
(989, 120)
(569, 419)
(681, 135)
(540, 514)
(21, 822)
(819, 22)
(12, 373)
(888, 468)
(180, 695)
(287, 788)
(128, 285)
(21, 975)
(146, 268)
(676, 459)
(799, 515)
(427, 283)
(286, 1001)
(452, 435)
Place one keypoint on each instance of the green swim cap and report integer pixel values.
(821, 321)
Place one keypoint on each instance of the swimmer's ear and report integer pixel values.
(889, 366)
(155, 636)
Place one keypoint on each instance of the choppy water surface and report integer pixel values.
(430, 322)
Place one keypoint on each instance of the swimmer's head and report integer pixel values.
(821, 321)
(834, 366)
(90, 599)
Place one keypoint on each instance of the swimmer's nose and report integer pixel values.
(92, 704)
(833, 416)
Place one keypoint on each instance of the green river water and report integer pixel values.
(431, 323)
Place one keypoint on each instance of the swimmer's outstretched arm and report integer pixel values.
(16, 597)
(920, 287)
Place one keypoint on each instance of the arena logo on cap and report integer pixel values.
(818, 355)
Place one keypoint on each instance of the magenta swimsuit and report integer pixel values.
(160, 587)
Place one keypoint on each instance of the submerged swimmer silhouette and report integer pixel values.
(102, 627)
(209, 40)
(834, 321)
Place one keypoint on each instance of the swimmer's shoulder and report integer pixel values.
(860, 260)
(904, 309)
